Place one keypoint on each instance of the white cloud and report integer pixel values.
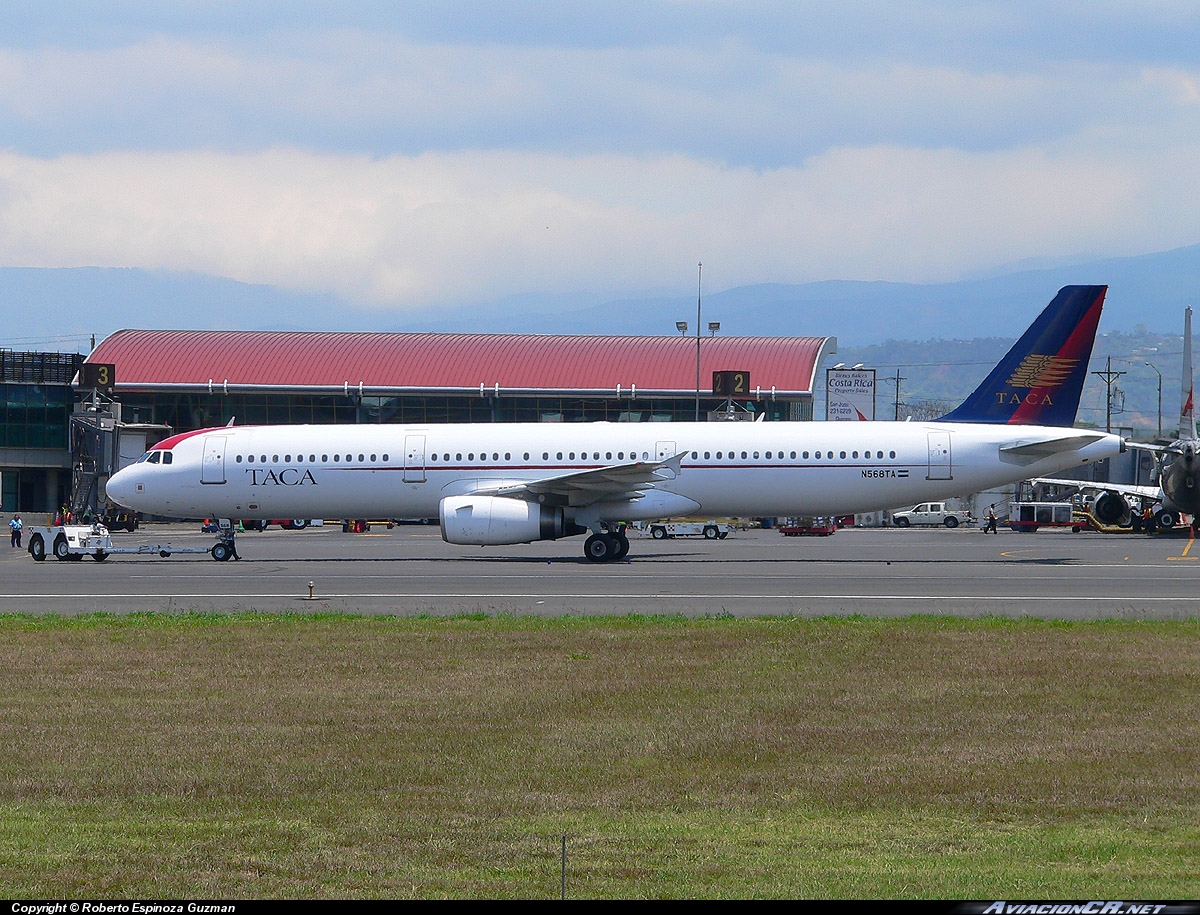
(410, 232)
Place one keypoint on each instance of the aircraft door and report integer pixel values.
(414, 459)
(212, 467)
(939, 457)
(664, 450)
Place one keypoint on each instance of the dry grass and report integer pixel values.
(268, 756)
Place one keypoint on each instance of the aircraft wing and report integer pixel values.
(1125, 489)
(612, 483)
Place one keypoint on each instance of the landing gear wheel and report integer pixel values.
(37, 547)
(1166, 519)
(601, 548)
(221, 552)
(622, 547)
(61, 549)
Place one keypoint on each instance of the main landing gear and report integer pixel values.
(606, 546)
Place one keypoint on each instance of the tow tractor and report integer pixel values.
(74, 541)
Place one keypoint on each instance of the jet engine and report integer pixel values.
(1111, 508)
(495, 520)
(1180, 479)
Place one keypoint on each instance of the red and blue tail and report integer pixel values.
(1039, 382)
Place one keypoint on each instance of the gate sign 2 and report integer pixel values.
(99, 375)
(731, 384)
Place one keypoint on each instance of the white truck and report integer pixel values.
(936, 513)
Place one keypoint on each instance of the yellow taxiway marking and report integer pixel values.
(1187, 549)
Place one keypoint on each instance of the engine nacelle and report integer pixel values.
(1111, 508)
(495, 520)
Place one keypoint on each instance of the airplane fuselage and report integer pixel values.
(745, 469)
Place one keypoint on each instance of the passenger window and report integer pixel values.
(385, 457)
(238, 459)
(274, 458)
(361, 457)
(312, 459)
(891, 454)
(694, 455)
(434, 456)
(336, 458)
(843, 455)
(608, 455)
(324, 459)
(854, 454)
(755, 455)
(794, 455)
(372, 459)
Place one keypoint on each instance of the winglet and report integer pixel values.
(1040, 379)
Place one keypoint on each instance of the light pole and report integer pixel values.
(699, 274)
(713, 327)
(1159, 374)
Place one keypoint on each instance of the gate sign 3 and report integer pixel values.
(99, 375)
(731, 384)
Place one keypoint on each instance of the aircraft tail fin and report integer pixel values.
(1041, 378)
(1187, 409)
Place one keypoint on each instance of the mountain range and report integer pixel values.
(938, 338)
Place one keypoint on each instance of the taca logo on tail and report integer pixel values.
(1040, 380)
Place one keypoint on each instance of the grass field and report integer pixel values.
(176, 756)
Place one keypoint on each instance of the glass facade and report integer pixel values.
(185, 412)
(35, 415)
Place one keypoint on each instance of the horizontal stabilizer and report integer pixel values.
(1035, 450)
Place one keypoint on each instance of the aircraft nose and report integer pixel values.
(120, 487)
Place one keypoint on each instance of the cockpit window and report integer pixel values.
(155, 456)
(167, 455)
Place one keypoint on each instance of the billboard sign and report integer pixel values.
(849, 395)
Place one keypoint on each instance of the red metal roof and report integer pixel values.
(162, 359)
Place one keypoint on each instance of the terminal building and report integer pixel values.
(160, 382)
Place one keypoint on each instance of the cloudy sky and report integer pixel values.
(412, 156)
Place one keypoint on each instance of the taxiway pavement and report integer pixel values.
(409, 570)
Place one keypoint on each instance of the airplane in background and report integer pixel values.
(1178, 489)
(507, 483)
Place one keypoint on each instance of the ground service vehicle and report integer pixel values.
(931, 513)
(1029, 516)
(74, 541)
(709, 530)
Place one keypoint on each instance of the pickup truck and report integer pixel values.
(931, 513)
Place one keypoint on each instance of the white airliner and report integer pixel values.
(504, 483)
(1178, 492)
